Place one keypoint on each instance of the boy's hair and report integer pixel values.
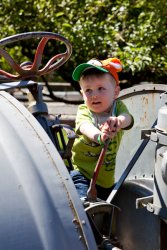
(93, 72)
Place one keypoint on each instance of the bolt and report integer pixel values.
(75, 221)
(83, 222)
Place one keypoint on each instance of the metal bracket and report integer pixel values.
(148, 133)
(147, 203)
(143, 202)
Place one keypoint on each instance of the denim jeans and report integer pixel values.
(82, 184)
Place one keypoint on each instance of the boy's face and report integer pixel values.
(99, 92)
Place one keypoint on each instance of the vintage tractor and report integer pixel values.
(40, 208)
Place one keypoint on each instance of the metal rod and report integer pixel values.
(128, 168)
(91, 193)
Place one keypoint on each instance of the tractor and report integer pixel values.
(40, 208)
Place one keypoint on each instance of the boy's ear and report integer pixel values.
(117, 90)
(81, 91)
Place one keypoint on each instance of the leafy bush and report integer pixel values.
(132, 30)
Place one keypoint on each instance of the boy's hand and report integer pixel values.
(114, 123)
(110, 128)
(107, 131)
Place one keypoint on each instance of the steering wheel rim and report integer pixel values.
(31, 71)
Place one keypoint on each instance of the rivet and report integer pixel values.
(83, 222)
(75, 221)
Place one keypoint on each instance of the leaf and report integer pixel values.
(59, 14)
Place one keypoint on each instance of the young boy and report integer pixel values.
(99, 118)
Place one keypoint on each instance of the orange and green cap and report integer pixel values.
(110, 65)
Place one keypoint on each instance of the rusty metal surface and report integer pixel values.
(139, 228)
(40, 208)
(143, 101)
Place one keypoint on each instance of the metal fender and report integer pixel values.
(40, 208)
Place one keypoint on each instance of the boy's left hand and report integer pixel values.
(111, 126)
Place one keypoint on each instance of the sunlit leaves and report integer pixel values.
(133, 30)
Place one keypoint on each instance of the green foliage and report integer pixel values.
(133, 30)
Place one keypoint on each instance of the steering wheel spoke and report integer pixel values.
(39, 53)
(50, 66)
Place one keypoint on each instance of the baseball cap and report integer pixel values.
(110, 65)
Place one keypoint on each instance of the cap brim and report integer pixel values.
(82, 67)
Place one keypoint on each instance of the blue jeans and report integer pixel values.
(82, 184)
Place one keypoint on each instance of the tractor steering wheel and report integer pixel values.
(30, 71)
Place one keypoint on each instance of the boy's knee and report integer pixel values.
(81, 183)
